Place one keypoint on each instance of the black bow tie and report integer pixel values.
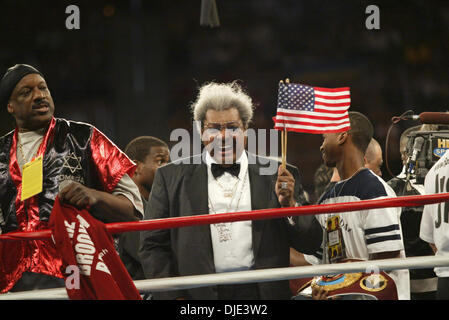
(218, 169)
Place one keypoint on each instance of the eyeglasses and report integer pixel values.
(230, 126)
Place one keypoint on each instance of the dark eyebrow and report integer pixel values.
(228, 122)
(30, 87)
(160, 154)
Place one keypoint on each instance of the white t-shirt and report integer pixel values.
(435, 218)
(364, 232)
(231, 241)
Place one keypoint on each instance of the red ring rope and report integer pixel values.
(167, 223)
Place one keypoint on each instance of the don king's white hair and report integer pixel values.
(223, 96)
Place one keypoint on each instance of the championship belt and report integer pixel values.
(375, 286)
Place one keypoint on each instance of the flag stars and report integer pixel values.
(296, 96)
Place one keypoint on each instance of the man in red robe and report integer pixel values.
(78, 163)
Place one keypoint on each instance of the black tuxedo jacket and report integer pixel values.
(182, 190)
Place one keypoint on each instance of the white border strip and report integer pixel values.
(265, 275)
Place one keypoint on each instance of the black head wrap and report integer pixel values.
(11, 78)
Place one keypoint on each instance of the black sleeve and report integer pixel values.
(155, 249)
(299, 194)
(305, 232)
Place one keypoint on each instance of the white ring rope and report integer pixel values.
(265, 275)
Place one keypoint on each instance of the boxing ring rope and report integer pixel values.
(175, 283)
(265, 275)
(168, 223)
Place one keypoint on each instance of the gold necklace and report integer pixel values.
(228, 193)
(228, 207)
(224, 231)
(22, 154)
(345, 181)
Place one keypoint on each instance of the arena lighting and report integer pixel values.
(209, 14)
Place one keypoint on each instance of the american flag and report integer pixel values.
(309, 109)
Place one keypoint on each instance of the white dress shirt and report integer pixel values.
(231, 241)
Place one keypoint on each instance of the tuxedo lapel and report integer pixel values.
(196, 188)
(197, 191)
(261, 187)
